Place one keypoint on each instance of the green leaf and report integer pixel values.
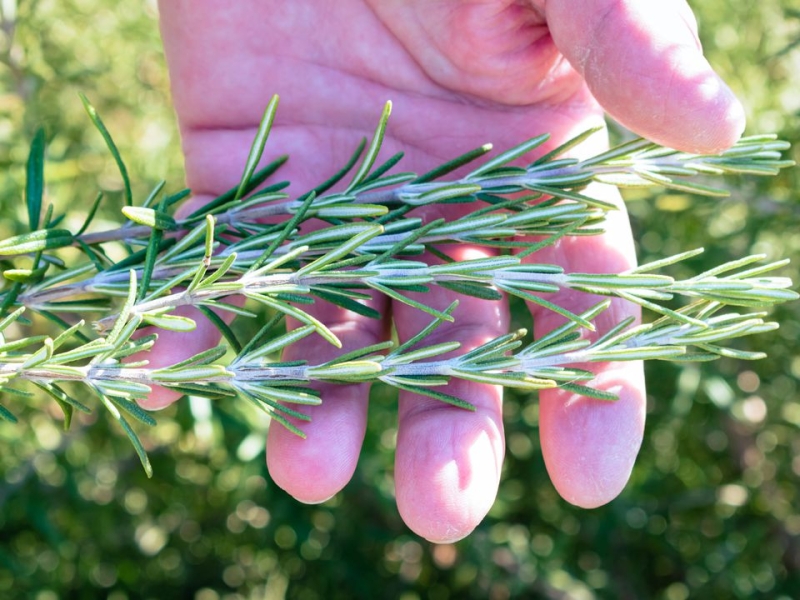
(7, 415)
(425, 352)
(534, 299)
(257, 149)
(509, 155)
(250, 352)
(336, 177)
(681, 185)
(222, 327)
(351, 211)
(93, 255)
(659, 264)
(293, 298)
(170, 322)
(493, 348)
(469, 288)
(135, 259)
(116, 389)
(126, 309)
(566, 329)
(445, 192)
(436, 395)
(231, 308)
(475, 267)
(34, 181)
(371, 352)
(362, 235)
(568, 145)
(412, 236)
(637, 353)
(63, 276)
(290, 227)
(516, 380)
(662, 310)
(558, 192)
(11, 296)
(220, 271)
(377, 172)
(294, 396)
(21, 343)
(413, 303)
(298, 314)
(61, 323)
(190, 374)
(112, 147)
(36, 241)
(610, 337)
(471, 224)
(416, 380)
(453, 164)
(42, 355)
(25, 275)
(345, 302)
(135, 411)
(589, 392)
(149, 263)
(349, 262)
(259, 336)
(150, 217)
(621, 150)
(425, 331)
(85, 305)
(137, 445)
(64, 336)
(65, 402)
(269, 406)
(176, 197)
(612, 282)
(12, 318)
(730, 352)
(255, 180)
(198, 389)
(372, 151)
(356, 370)
(154, 194)
(202, 358)
(93, 348)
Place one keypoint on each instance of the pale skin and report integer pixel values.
(460, 73)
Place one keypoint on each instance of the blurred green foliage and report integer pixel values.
(713, 508)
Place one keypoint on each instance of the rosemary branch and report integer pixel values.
(370, 242)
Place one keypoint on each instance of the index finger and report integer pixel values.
(643, 62)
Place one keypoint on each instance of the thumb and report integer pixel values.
(644, 64)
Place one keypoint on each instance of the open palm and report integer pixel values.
(460, 73)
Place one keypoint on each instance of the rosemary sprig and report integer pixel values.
(369, 242)
(638, 163)
(258, 375)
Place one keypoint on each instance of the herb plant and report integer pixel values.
(370, 241)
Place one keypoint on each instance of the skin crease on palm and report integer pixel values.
(460, 73)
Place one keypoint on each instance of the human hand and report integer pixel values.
(459, 74)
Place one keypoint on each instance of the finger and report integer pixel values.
(448, 462)
(643, 62)
(317, 467)
(589, 446)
